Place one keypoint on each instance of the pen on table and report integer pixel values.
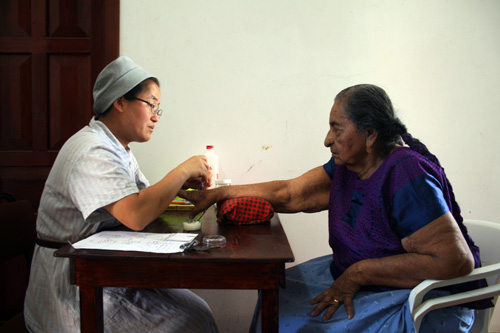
(188, 245)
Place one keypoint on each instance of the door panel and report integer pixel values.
(16, 132)
(51, 52)
(68, 107)
(16, 18)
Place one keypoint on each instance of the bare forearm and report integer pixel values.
(138, 210)
(276, 192)
(407, 270)
(307, 193)
(400, 271)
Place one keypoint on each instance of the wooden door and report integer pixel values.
(51, 52)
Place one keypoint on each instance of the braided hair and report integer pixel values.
(370, 108)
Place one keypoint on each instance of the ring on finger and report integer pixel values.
(336, 301)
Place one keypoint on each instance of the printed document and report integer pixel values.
(136, 241)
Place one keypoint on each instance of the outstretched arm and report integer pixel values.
(307, 193)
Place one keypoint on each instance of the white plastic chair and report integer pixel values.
(486, 235)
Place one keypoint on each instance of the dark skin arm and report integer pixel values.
(307, 193)
(436, 251)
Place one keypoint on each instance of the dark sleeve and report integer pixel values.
(329, 167)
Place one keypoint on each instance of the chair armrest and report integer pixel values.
(418, 293)
(455, 299)
(419, 309)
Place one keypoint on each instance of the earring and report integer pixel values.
(368, 150)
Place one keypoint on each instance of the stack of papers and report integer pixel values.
(180, 204)
(136, 241)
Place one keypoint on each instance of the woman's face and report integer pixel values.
(140, 119)
(347, 144)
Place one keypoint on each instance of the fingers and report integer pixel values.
(207, 181)
(194, 198)
(317, 299)
(197, 166)
(349, 307)
(331, 305)
(319, 308)
(198, 207)
(205, 168)
(331, 309)
(194, 212)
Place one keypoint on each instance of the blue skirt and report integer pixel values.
(373, 311)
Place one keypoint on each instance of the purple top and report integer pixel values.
(368, 218)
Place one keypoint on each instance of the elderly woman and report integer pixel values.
(95, 183)
(393, 222)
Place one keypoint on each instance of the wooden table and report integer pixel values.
(254, 258)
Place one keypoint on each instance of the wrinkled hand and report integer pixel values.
(342, 290)
(200, 199)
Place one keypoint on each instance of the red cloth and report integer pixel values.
(246, 210)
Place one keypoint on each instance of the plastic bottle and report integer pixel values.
(213, 162)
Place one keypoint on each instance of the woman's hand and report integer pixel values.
(342, 290)
(197, 167)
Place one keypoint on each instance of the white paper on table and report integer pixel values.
(135, 241)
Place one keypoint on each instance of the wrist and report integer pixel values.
(356, 273)
(222, 193)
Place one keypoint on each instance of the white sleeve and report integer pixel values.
(101, 177)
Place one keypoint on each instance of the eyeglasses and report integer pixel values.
(155, 108)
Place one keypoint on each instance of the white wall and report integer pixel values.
(257, 78)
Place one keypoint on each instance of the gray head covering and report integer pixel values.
(115, 80)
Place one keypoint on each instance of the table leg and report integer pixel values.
(269, 310)
(91, 313)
